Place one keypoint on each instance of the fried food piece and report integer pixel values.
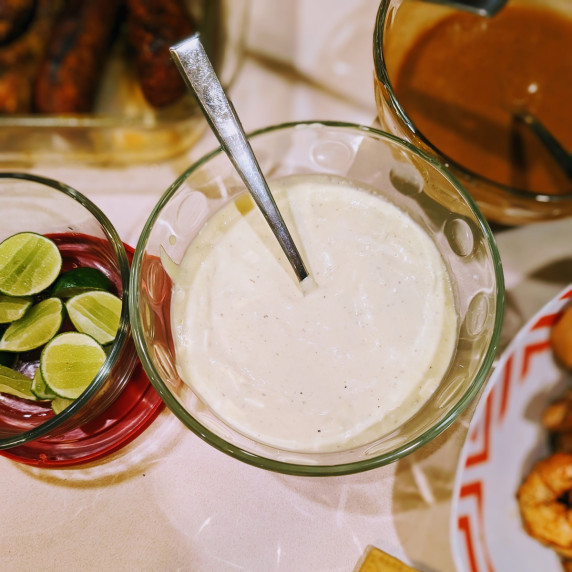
(557, 417)
(545, 497)
(70, 72)
(561, 338)
(557, 420)
(155, 26)
(543, 502)
(15, 15)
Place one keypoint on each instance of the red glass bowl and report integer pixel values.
(120, 402)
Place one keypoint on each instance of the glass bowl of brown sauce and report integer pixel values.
(453, 83)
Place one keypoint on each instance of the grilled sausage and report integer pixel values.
(20, 59)
(154, 26)
(70, 72)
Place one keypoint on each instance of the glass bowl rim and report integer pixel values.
(383, 77)
(296, 468)
(123, 332)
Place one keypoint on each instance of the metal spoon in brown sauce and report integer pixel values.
(480, 7)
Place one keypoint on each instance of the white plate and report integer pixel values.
(505, 438)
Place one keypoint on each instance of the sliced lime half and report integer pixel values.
(39, 387)
(96, 314)
(14, 383)
(70, 362)
(38, 326)
(12, 308)
(60, 403)
(29, 263)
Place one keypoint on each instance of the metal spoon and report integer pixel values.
(479, 7)
(554, 147)
(197, 71)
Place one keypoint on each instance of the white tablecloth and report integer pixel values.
(168, 501)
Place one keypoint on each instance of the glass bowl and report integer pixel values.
(399, 26)
(124, 128)
(385, 165)
(105, 415)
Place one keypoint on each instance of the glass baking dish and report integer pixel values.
(123, 127)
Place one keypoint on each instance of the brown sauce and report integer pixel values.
(462, 80)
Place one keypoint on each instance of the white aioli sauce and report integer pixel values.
(337, 366)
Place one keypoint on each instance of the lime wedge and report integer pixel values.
(96, 314)
(59, 404)
(80, 280)
(13, 307)
(29, 263)
(39, 387)
(15, 383)
(38, 326)
(70, 362)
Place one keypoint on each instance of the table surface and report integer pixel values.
(168, 501)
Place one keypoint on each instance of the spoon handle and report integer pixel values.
(555, 148)
(197, 71)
